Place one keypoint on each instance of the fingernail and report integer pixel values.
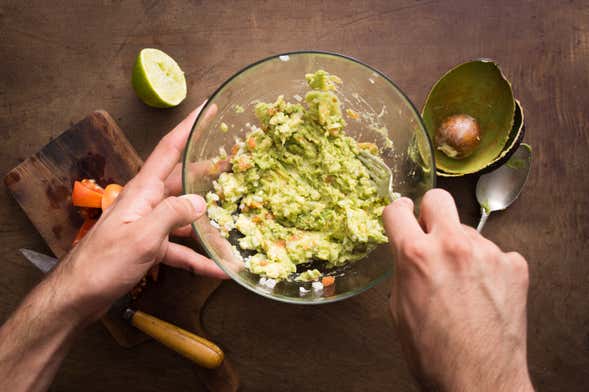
(406, 201)
(197, 202)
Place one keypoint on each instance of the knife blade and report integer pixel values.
(41, 261)
(196, 348)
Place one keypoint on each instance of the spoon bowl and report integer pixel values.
(498, 189)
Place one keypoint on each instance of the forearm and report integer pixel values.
(35, 339)
(516, 380)
(467, 374)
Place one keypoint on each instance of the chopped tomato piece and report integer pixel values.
(87, 194)
(88, 224)
(92, 185)
(255, 204)
(154, 272)
(257, 219)
(244, 163)
(370, 147)
(89, 213)
(327, 281)
(214, 168)
(111, 192)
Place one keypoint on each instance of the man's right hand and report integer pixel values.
(458, 301)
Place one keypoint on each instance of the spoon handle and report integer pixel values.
(484, 216)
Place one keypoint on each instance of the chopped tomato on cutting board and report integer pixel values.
(86, 226)
(111, 192)
(92, 200)
(87, 193)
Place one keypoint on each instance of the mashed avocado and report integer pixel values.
(297, 191)
(311, 275)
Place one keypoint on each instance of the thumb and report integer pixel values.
(173, 212)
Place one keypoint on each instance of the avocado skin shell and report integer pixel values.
(494, 165)
(469, 88)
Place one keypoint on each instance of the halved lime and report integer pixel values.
(158, 79)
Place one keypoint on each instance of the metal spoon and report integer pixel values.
(498, 189)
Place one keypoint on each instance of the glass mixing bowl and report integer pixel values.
(386, 115)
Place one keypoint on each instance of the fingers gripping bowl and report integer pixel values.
(376, 112)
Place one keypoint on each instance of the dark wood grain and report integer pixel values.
(63, 59)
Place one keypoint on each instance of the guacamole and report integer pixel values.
(296, 191)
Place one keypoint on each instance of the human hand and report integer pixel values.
(458, 301)
(132, 235)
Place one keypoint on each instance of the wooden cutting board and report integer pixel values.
(97, 148)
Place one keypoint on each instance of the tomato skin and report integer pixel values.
(154, 272)
(89, 213)
(86, 226)
(91, 198)
(328, 281)
(91, 184)
(87, 194)
(111, 192)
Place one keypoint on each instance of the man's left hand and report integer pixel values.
(133, 234)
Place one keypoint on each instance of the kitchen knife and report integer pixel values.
(197, 349)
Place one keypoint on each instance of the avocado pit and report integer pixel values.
(458, 136)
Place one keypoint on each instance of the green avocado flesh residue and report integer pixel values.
(516, 163)
(485, 206)
(309, 276)
(296, 191)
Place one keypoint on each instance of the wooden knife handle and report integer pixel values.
(199, 350)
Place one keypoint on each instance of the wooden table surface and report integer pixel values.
(62, 60)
